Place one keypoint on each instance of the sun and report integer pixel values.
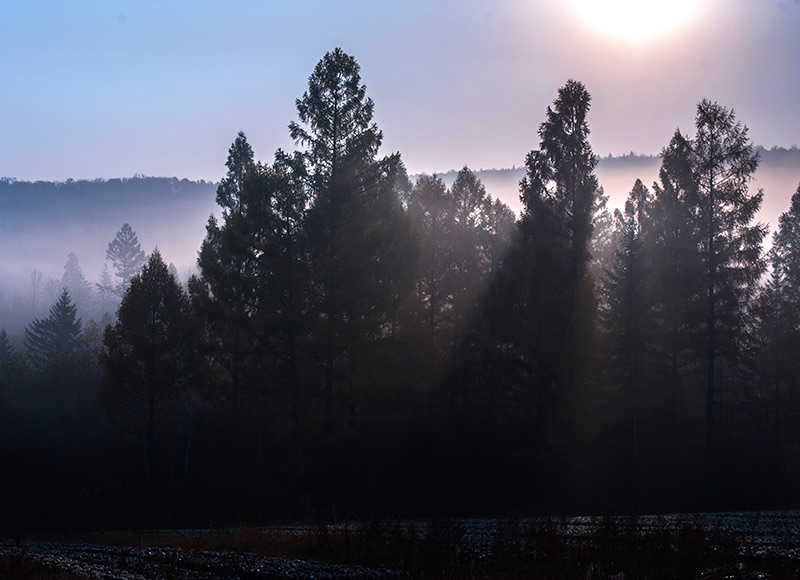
(636, 20)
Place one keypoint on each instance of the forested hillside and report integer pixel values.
(778, 174)
(356, 343)
(82, 216)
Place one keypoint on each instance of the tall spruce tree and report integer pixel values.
(553, 298)
(724, 162)
(360, 243)
(673, 237)
(225, 293)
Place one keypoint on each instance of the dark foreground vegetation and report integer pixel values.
(355, 345)
(586, 548)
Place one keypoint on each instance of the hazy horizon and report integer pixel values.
(178, 234)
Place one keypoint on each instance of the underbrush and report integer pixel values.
(619, 548)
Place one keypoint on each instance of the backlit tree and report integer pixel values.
(127, 256)
(147, 355)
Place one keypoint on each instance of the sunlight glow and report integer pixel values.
(636, 20)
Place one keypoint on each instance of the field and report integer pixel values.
(691, 546)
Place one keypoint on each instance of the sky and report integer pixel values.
(114, 88)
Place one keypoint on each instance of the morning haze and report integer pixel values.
(444, 270)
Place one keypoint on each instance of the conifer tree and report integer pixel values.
(469, 196)
(403, 185)
(548, 287)
(497, 228)
(604, 240)
(628, 317)
(147, 354)
(433, 217)
(359, 240)
(79, 289)
(127, 257)
(469, 263)
(673, 236)
(776, 339)
(225, 293)
(107, 300)
(48, 340)
(240, 165)
(283, 295)
(250, 292)
(785, 253)
(724, 162)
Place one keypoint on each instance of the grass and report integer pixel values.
(616, 548)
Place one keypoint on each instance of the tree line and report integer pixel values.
(358, 344)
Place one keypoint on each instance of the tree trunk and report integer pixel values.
(711, 326)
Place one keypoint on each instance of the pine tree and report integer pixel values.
(604, 240)
(785, 253)
(432, 213)
(360, 242)
(127, 256)
(469, 264)
(48, 340)
(240, 165)
(403, 185)
(252, 289)
(107, 299)
(282, 316)
(776, 339)
(628, 318)
(469, 196)
(79, 289)
(560, 187)
(724, 162)
(173, 270)
(147, 354)
(225, 293)
(496, 230)
(548, 288)
(673, 237)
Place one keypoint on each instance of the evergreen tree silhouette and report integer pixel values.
(49, 339)
(127, 256)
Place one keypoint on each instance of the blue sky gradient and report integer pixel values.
(161, 87)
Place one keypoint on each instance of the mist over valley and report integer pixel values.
(42, 222)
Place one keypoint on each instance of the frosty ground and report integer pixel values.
(731, 544)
